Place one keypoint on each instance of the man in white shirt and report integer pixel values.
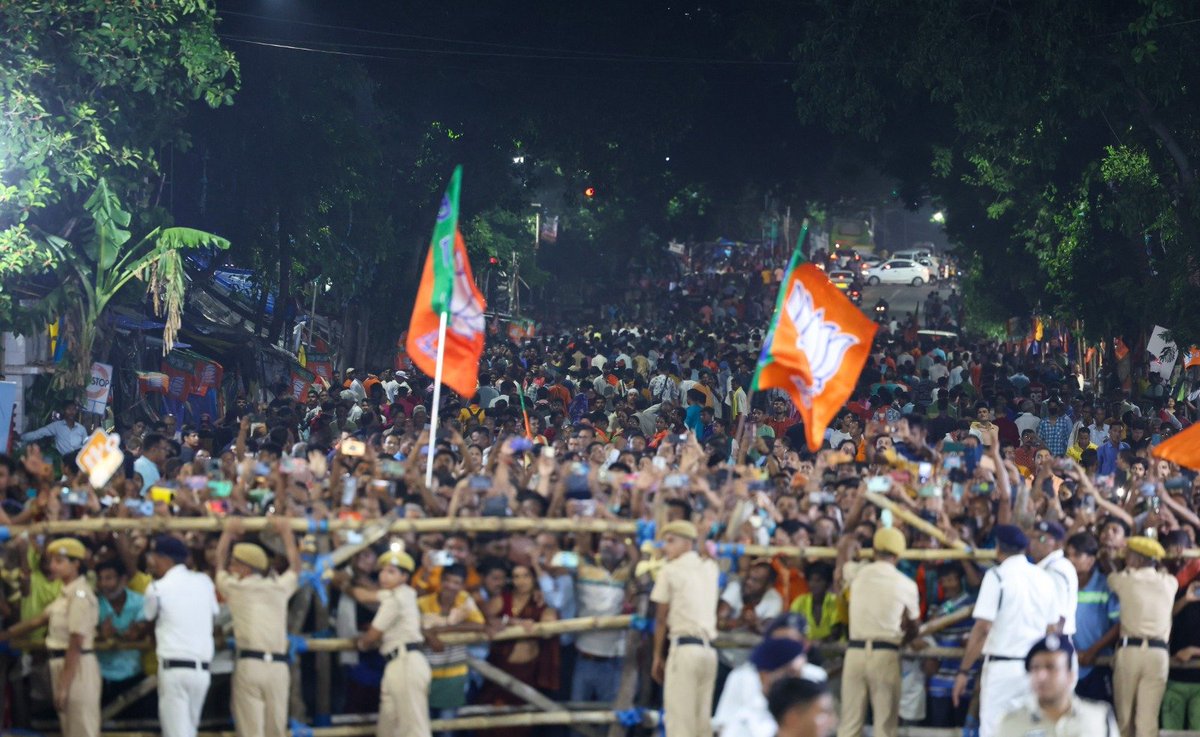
(69, 436)
(183, 606)
(1015, 608)
(1046, 548)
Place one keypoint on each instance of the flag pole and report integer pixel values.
(437, 399)
(797, 259)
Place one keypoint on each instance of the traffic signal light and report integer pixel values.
(589, 192)
(493, 261)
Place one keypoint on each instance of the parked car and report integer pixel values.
(898, 271)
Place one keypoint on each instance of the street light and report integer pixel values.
(938, 217)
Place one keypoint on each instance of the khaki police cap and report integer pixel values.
(68, 546)
(681, 528)
(252, 555)
(889, 540)
(397, 558)
(1146, 546)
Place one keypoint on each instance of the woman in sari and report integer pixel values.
(532, 661)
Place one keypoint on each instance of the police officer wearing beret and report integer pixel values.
(1015, 608)
(183, 606)
(396, 631)
(1056, 711)
(884, 608)
(71, 621)
(686, 594)
(1140, 667)
(258, 602)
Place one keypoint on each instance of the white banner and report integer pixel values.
(1164, 354)
(98, 388)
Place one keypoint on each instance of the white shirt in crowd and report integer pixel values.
(1066, 587)
(770, 606)
(183, 605)
(1018, 598)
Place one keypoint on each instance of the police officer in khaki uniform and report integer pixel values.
(1142, 661)
(884, 607)
(686, 593)
(396, 631)
(258, 602)
(1057, 711)
(71, 621)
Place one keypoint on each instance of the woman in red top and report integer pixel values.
(533, 661)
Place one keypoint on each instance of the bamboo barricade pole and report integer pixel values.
(908, 516)
(940, 623)
(339, 644)
(960, 551)
(301, 524)
(477, 722)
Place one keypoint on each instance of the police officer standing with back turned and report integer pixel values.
(1056, 711)
(1140, 667)
(884, 607)
(258, 602)
(183, 605)
(686, 593)
(1015, 608)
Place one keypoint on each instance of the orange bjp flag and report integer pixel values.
(465, 323)
(1182, 449)
(816, 349)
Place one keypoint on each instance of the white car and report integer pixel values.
(898, 271)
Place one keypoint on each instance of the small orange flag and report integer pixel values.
(1193, 358)
(1183, 449)
(819, 345)
(465, 325)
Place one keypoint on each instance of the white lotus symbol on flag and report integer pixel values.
(822, 342)
(466, 314)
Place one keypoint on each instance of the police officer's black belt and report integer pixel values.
(874, 644)
(990, 658)
(692, 641)
(411, 647)
(1138, 642)
(259, 655)
(63, 653)
(189, 664)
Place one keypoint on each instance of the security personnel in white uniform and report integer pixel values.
(1015, 608)
(1045, 546)
(1056, 711)
(183, 606)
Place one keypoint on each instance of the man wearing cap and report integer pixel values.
(686, 595)
(1015, 608)
(772, 659)
(396, 631)
(1057, 710)
(258, 603)
(884, 610)
(1046, 548)
(183, 605)
(1140, 667)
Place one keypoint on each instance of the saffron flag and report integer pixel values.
(448, 287)
(1183, 449)
(1193, 358)
(815, 349)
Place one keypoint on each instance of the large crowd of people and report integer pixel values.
(646, 415)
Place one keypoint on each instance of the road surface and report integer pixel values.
(901, 298)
